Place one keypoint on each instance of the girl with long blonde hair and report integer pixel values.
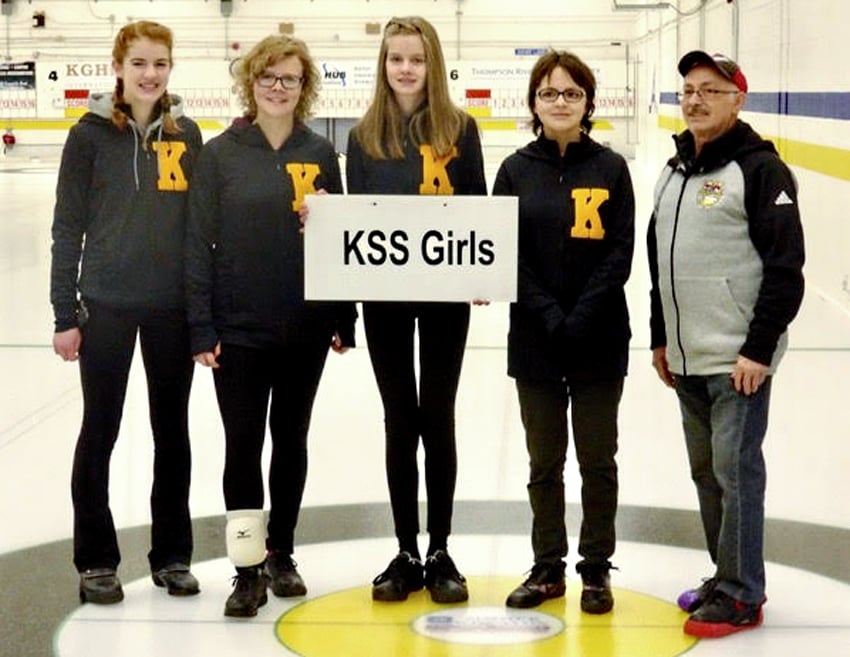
(413, 140)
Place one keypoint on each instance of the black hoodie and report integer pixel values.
(576, 236)
(121, 208)
(245, 252)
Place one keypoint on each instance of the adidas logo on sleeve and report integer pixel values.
(783, 199)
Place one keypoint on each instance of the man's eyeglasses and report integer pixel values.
(550, 95)
(704, 94)
(267, 80)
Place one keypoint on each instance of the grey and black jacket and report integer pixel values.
(725, 246)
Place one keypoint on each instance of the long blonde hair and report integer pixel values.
(131, 32)
(269, 52)
(438, 122)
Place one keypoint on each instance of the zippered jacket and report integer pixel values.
(120, 215)
(245, 252)
(725, 247)
(576, 238)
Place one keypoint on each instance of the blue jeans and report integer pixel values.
(724, 432)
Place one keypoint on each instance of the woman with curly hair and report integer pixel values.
(249, 321)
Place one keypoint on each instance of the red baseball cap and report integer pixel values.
(721, 63)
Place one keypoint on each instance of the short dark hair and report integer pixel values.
(578, 70)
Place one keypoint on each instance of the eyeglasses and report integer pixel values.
(267, 81)
(704, 94)
(550, 95)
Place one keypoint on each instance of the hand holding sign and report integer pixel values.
(410, 248)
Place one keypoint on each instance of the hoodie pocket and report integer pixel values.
(712, 324)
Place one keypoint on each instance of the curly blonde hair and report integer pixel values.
(269, 52)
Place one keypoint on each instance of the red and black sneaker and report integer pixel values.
(693, 599)
(722, 615)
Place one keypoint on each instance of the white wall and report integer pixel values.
(81, 32)
(784, 46)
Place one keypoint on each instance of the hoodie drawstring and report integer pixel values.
(135, 155)
(159, 139)
(136, 136)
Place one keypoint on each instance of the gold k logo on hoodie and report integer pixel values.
(303, 176)
(435, 178)
(171, 176)
(588, 223)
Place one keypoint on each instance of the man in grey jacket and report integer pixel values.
(726, 256)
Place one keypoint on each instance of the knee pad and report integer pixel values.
(246, 537)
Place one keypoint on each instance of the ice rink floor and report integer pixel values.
(344, 534)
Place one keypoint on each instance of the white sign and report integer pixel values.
(410, 248)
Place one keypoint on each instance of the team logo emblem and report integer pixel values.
(710, 194)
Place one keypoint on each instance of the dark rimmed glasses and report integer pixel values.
(550, 95)
(268, 80)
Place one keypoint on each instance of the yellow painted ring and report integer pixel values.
(349, 623)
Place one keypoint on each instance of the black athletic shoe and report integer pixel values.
(100, 586)
(722, 615)
(403, 576)
(546, 581)
(176, 579)
(596, 596)
(692, 599)
(443, 580)
(285, 580)
(249, 592)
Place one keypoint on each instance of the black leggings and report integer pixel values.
(244, 382)
(426, 410)
(109, 339)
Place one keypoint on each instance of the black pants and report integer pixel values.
(412, 411)
(109, 339)
(543, 407)
(244, 383)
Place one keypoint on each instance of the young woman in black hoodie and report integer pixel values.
(569, 328)
(117, 271)
(249, 320)
(413, 140)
